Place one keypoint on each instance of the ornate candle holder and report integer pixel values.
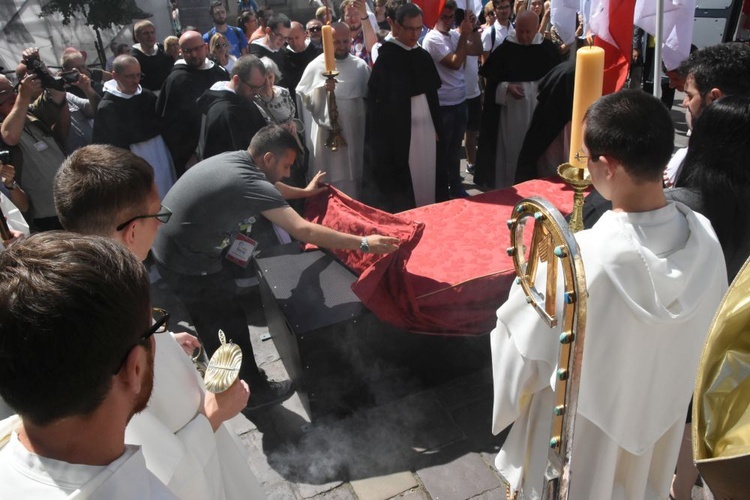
(335, 138)
(579, 180)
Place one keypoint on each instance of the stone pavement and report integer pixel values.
(432, 444)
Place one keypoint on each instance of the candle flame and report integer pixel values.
(590, 40)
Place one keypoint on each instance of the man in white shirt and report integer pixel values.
(493, 37)
(77, 364)
(449, 48)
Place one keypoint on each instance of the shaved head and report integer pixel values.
(527, 25)
(342, 40)
(297, 37)
(190, 37)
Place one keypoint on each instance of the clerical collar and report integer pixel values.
(262, 43)
(140, 48)
(403, 45)
(111, 87)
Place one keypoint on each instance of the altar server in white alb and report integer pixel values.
(183, 432)
(343, 167)
(77, 363)
(655, 276)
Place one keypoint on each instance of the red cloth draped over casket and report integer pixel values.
(451, 271)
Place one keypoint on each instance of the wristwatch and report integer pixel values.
(364, 246)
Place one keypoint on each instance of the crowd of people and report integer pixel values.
(185, 150)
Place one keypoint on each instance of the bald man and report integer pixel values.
(298, 53)
(512, 72)
(181, 118)
(344, 166)
(126, 118)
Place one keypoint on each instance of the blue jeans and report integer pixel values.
(452, 129)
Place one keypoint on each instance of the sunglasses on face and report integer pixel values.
(314, 29)
(222, 45)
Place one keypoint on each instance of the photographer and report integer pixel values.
(32, 122)
(82, 109)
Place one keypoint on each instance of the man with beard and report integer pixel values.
(512, 72)
(74, 382)
(234, 35)
(126, 118)
(344, 166)
(403, 113)
(363, 37)
(190, 77)
(231, 116)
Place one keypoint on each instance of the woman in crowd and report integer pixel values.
(218, 49)
(715, 181)
(172, 47)
(248, 23)
(489, 16)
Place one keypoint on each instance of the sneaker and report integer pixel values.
(265, 393)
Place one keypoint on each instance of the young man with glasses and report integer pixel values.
(181, 119)
(500, 28)
(272, 44)
(235, 36)
(110, 192)
(403, 112)
(77, 339)
(126, 118)
(230, 116)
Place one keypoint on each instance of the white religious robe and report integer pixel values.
(343, 167)
(178, 442)
(515, 118)
(26, 475)
(654, 281)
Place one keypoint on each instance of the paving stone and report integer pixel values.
(382, 487)
(281, 491)
(462, 478)
(475, 420)
(343, 492)
(466, 390)
(310, 490)
(263, 471)
(415, 494)
(496, 494)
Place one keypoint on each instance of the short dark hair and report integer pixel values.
(404, 11)
(725, 66)
(277, 19)
(272, 139)
(634, 128)
(70, 308)
(450, 4)
(245, 64)
(214, 4)
(100, 186)
(246, 15)
(716, 166)
(496, 3)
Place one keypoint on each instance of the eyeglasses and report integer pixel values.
(161, 317)
(222, 45)
(190, 50)
(448, 17)
(254, 88)
(275, 33)
(163, 216)
(314, 28)
(412, 29)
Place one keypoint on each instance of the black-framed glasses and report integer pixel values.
(161, 317)
(254, 88)
(163, 216)
(276, 33)
(412, 29)
(190, 50)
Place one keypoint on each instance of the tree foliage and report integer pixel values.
(99, 14)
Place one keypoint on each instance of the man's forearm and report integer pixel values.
(326, 237)
(12, 126)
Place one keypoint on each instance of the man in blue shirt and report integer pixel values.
(234, 35)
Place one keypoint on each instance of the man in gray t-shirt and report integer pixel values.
(214, 204)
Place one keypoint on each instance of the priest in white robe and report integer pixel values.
(343, 167)
(512, 72)
(655, 276)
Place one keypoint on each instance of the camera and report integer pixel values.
(71, 76)
(5, 156)
(36, 66)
